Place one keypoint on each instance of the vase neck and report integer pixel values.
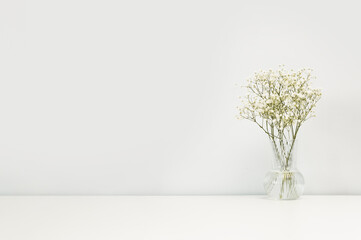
(284, 159)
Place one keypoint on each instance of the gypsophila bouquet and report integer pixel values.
(279, 102)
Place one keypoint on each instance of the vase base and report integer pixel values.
(284, 185)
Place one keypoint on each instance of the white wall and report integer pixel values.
(139, 97)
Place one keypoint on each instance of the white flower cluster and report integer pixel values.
(280, 97)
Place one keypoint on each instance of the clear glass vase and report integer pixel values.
(284, 181)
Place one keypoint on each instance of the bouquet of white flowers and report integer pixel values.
(279, 102)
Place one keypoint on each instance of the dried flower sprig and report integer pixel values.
(279, 102)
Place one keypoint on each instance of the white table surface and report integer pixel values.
(178, 217)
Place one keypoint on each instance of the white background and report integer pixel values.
(139, 97)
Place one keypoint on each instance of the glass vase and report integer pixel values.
(284, 181)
